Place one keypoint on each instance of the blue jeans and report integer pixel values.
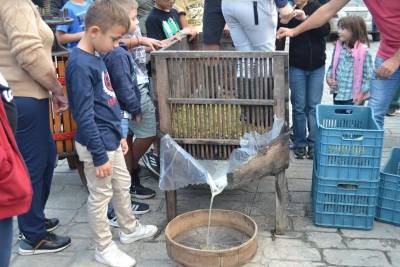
(306, 93)
(5, 241)
(382, 93)
(37, 147)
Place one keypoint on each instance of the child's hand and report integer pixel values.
(299, 14)
(138, 118)
(360, 99)
(331, 82)
(124, 146)
(104, 170)
(226, 30)
(151, 43)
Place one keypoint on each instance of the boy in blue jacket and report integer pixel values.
(97, 113)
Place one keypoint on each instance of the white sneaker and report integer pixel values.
(141, 232)
(114, 257)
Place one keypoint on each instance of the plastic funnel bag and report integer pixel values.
(251, 143)
(179, 169)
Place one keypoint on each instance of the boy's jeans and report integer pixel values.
(306, 89)
(101, 190)
(383, 92)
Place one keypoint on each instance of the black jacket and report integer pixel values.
(307, 50)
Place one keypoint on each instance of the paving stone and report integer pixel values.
(380, 230)
(267, 185)
(299, 185)
(351, 257)
(300, 197)
(80, 230)
(275, 263)
(290, 249)
(373, 244)
(325, 240)
(84, 258)
(81, 215)
(303, 224)
(154, 251)
(394, 257)
(154, 263)
(42, 261)
(73, 197)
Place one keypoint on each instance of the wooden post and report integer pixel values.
(281, 202)
(170, 200)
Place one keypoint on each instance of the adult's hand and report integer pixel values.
(138, 118)
(60, 102)
(387, 68)
(227, 32)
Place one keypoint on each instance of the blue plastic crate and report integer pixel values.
(348, 143)
(344, 204)
(388, 207)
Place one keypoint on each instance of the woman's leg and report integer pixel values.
(297, 79)
(315, 87)
(37, 148)
(5, 241)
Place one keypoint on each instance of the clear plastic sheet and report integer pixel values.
(179, 169)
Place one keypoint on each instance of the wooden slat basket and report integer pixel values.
(207, 100)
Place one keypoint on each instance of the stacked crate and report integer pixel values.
(348, 151)
(388, 206)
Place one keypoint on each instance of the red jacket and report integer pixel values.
(15, 185)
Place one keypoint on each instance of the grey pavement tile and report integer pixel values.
(275, 263)
(300, 185)
(70, 197)
(380, 230)
(64, 215)
(305, 224)
(325, 240)
(43, 260)
(373, 244)
(290, 249)
(394, 257)
(80, 230)
(351, 257)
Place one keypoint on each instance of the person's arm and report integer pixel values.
(322, 31)
(81, 95)
(317, 19)
(119, 69)
(181, 9)
(368, 70)
(27, 47)
(389, 66)
(135, 41)
(65, 38)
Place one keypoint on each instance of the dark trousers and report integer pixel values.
(5, 241)
(342, 102)
(38, 150)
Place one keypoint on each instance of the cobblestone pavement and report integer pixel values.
(304, 245)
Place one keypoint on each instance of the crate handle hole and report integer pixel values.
(346, 111)
(347, 186)
(352, 137)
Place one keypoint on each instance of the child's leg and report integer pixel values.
(121, 182)
(100, 193)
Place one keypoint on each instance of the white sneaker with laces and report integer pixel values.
(141, 232)
(114, 257)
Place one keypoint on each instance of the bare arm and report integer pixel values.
(317, 19)
(64, 38)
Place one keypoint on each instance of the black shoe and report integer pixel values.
(50, 244)
(300, 152)
(152, 162)
(138, 208)
(51, 224)
(141, 192)
(310, 153)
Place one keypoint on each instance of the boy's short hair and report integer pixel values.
(105, 14)
(128, 5)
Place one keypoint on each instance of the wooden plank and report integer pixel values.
(161, 87)
(170, 200)
(211, 141)
(279, 86)
(221, 101)
(281, 203)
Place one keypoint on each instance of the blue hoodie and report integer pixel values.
(93, 104)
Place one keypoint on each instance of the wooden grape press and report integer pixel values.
(208, 100)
